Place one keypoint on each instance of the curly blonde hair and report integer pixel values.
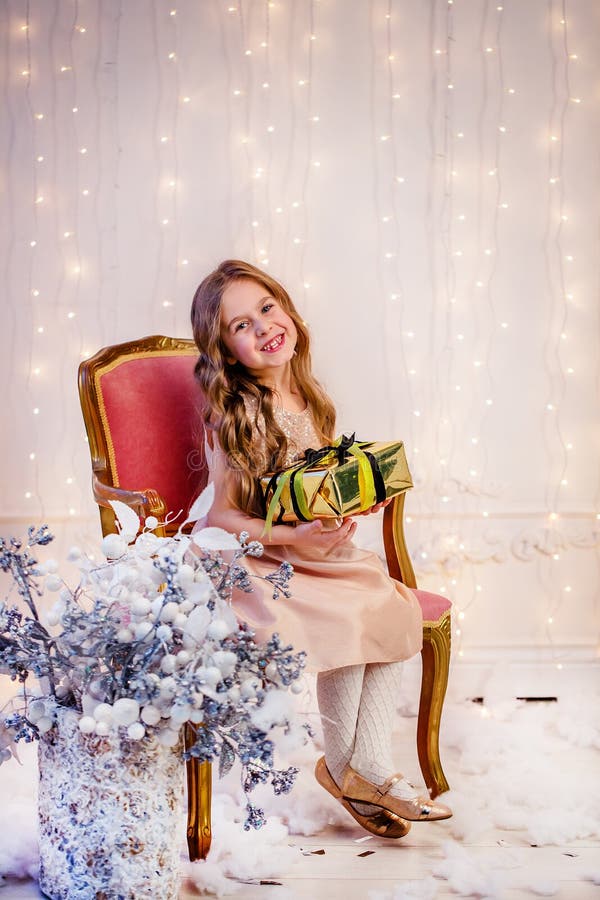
(231, 393)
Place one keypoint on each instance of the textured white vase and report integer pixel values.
(110, 815)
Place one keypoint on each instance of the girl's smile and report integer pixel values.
(274, 345)
(256, 330)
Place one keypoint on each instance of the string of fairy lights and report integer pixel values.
(558, 257)
(442, 348)
(276, 227)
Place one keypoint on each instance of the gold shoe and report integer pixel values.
(356, 788)
(382, 824)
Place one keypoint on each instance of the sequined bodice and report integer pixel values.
(299, 430)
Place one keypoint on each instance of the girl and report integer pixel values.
(264, 408)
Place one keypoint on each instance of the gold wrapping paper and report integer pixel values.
(333, 490)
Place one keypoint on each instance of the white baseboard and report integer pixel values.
(504, 673)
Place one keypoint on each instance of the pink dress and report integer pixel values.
(344, 609)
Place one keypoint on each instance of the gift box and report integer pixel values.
(343, 478)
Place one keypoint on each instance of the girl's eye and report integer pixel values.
(267, 307)
(240, 325)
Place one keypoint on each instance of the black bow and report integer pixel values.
(314, 457)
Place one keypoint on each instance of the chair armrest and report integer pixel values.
(145, 503)
(396, 553)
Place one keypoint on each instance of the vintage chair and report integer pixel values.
(140, 405)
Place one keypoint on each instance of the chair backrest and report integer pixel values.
(141, 406)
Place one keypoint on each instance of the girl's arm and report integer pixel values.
(224, 514)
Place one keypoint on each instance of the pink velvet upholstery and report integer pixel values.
(160, 445)
(432, 605)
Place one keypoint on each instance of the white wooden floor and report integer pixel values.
(341, 874)
(329, 864)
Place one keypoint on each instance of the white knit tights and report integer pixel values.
(358, 708)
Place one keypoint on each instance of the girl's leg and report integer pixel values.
(339, 695)
(372, 756)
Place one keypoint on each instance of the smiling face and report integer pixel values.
(256, 330)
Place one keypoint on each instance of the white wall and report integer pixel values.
(442, 242)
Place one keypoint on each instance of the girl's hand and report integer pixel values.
(376, 508)
(314, 535)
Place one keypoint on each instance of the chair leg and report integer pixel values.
(436, 661)
(199, 785)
